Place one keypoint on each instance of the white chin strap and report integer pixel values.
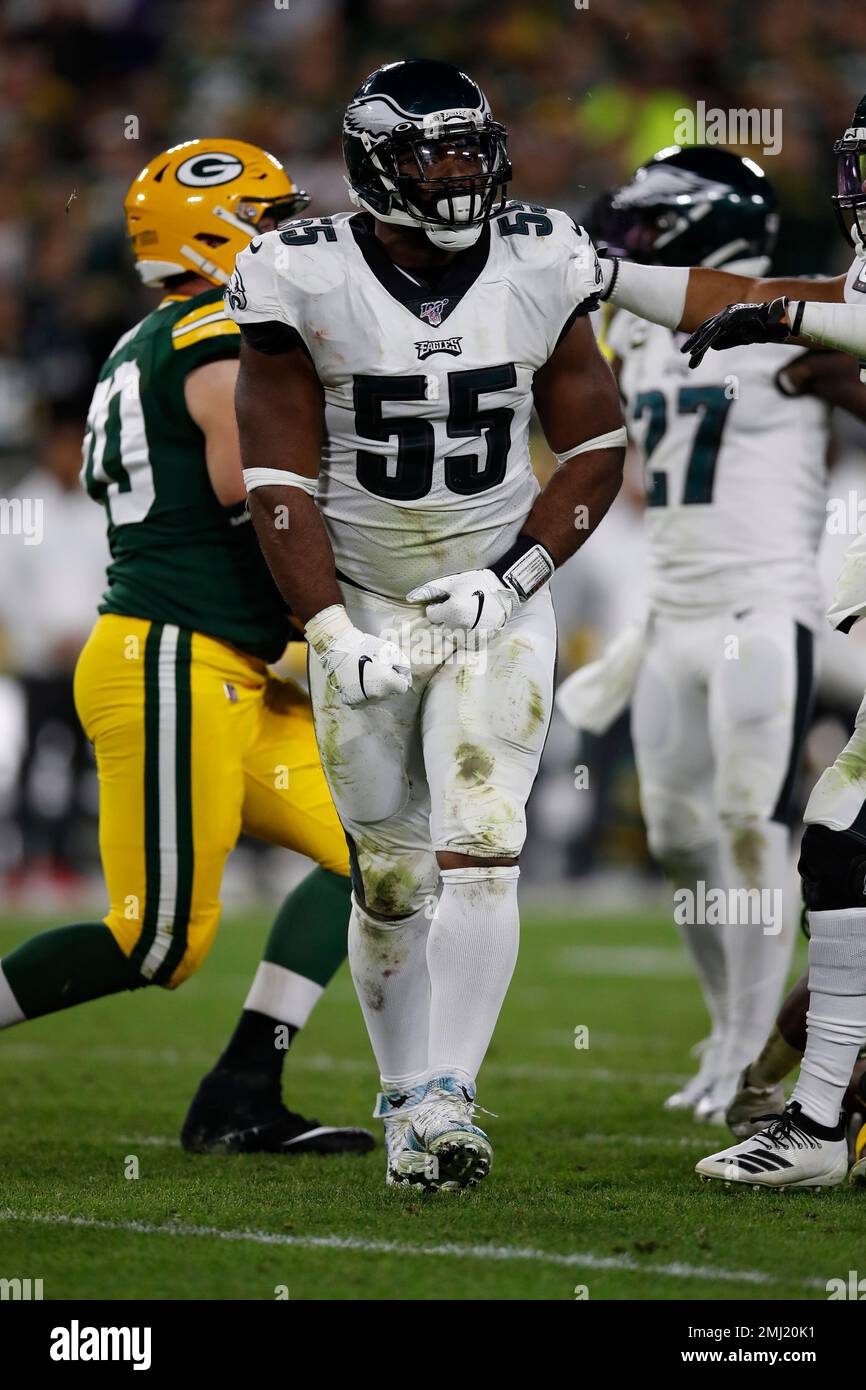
(453, 238)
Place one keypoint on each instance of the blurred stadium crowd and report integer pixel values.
(90, 89)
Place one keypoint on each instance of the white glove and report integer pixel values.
(472, 601)
(360, 667)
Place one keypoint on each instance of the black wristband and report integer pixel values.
(606, 294)
(525, 567)
(798, 318)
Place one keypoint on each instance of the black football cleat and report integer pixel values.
(242, 1113)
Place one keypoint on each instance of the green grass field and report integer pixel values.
(592, 1183)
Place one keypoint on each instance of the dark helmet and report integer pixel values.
(407, 120)
(849, 199)
(700, 205)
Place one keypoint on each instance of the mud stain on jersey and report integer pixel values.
(331, 753)
(390, 891)
(850, 766)
(537, 710)
(748, 846)
(474, 764)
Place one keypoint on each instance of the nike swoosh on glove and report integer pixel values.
(361, 667)
(472, 601)
(738, 324)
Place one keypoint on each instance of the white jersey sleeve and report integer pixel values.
(255, 292)
(565, 269)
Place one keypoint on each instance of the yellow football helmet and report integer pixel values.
(193, 208)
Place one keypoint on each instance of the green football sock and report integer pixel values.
(308, 943)
(62, 967)
(310, 932)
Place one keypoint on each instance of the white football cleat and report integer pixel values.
(712, 1107)
(690, 1094)
(442, 1126)
(747, 1113)
(404, 1162)
(791, 1151)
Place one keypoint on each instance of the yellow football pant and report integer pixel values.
(194, 743)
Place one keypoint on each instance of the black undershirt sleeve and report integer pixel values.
(272, 338)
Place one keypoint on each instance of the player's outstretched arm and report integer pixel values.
(681, 298)
(280, 411)
(833, 325)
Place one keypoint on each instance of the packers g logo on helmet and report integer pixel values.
(195, 206)
(204, 170)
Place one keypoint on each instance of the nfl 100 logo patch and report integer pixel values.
(433, 310)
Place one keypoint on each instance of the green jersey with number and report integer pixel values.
(178, 555)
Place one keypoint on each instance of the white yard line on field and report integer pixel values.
(649, 1141)
(634, 962)
(504, 1253)
(172, 1057)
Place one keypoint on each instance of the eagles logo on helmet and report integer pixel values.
(423, 150)
(194, 207)
(697, 205)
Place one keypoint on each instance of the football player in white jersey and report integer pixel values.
(735, 475)
(806, 1146)
(390, 362)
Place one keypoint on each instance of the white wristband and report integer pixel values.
(326, 626)
(841, 326)
(278, 477)
(614, 439)
(654, 292)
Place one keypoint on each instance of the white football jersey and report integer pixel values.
(428, 386)
(735, 473)
(849, 599)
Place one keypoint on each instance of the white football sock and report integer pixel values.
(283, 994)
(705, 943)
(836, 1021)
(758, 952)
(388, 962)
(471, 954)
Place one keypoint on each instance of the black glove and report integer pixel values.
(738, 324)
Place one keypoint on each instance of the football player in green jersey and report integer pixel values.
(196, 737)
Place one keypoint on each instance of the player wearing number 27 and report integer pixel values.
(390, 362)
(735, 478)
